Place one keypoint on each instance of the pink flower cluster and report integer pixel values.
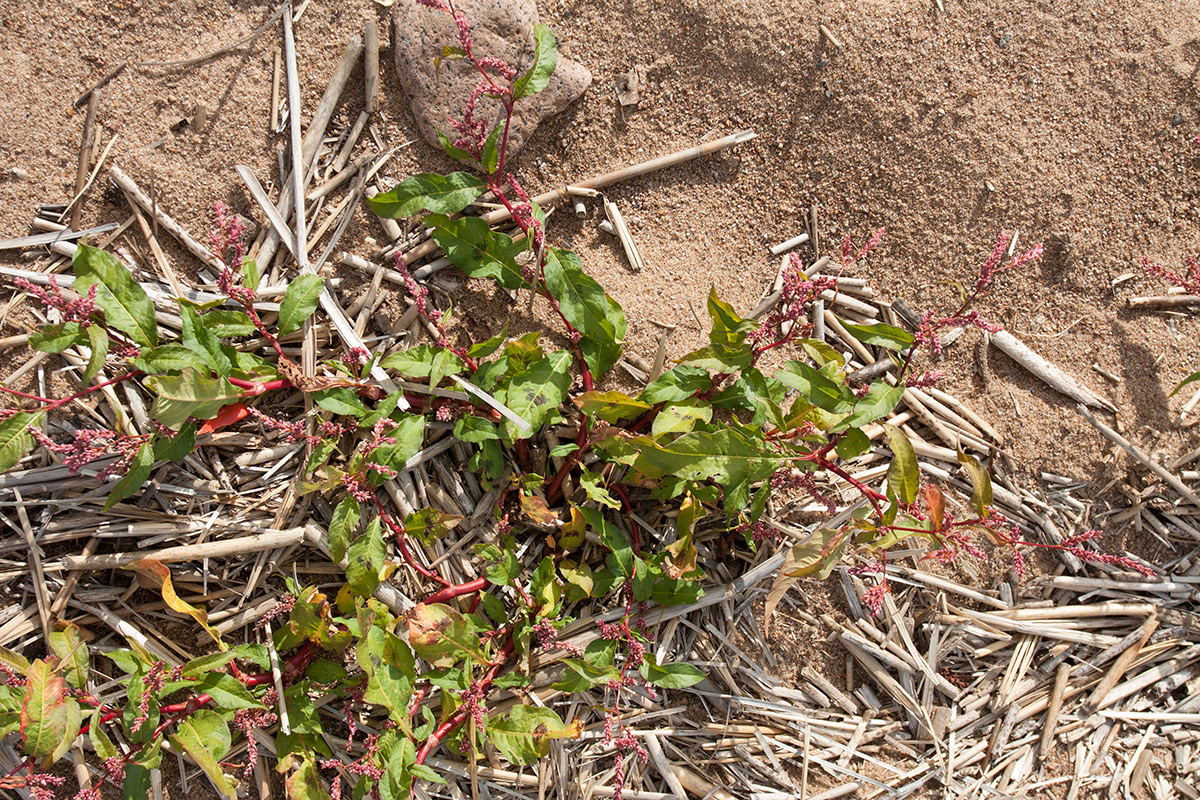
(1073, 545)
(849, 256)
(245, 720)
(797, 290)
(547, 639)
(90, 444)
(294, 431)
(1189, 281)
(226, 238)
(987, 273)
(81, 309)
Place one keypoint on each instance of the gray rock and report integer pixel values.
(499, 28)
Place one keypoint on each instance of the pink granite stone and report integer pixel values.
(500, 28)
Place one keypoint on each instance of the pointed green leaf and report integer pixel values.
(299, 302)
(681, 417)
(364, 560)
(171, 357)
(342, 527)
(815, 387)
(425, 361)
(880, 334)
(68, 645)
(477, 250)
(879, 401)
(584, 304)
(441, 194)
(56, 338)
(125, 304)
(200, 340)
(611, 406)
(676, 384)
(904, 478)
(669, 676)
(545, 60)
(15, 438)
(98, 342)
(189, 394)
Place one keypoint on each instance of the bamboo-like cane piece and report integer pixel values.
(1049, 374)
(191, 552)
(1133, 450)
(85, 150)
(127, 184)
(371, 65)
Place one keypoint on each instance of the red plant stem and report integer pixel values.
(257, 388)
(402, 544)
(634, 530)
(458, 590)
(553, 490)
(448, 727)
(53, 404)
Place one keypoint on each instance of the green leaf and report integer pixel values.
(449, 149)
(226, 323)
(981, 482)
(341, 527)
(201, 341)
(227, 692)
(904, 478)
(852, 443)
(189, 394)
(443, 636)
(171, 357)
(364, 560)
(545, 587)
(425, 361)
(98, 342)
(250, 276)
(728, 328)
(535, 393)
(125, 304)
(138, 472)
(676, 384)
(815, 387)
(428, 525)
(101, 743)
(669, 676)
(136, 785)
(15, 438)
(299, 302)
(176, 447)
(213, 730)
(728, 456)
(441, 194)
(612, 538)
(340, 400)
(409, 434)
(72, 653)
(680, 417)
(720, 358)
(191, 737)
(611, 406)
(56, 338)
(525, 733)
(489, 156)
(545, 60)
(879, 401)
(477, 250)
(880, 334)
(592, 484)
(50, 719)
(585, 305)
(1195, 376)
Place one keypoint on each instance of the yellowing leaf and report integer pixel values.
(50, 720)
(158, 572)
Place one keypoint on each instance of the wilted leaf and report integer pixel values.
(159, 574)
(611, 406)
(98, 342)
(816, 557)
(442, 636)
(981, 496)
(682, 552)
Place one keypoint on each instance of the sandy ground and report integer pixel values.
(1077, 113)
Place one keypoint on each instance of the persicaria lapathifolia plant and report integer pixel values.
(714, 436)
